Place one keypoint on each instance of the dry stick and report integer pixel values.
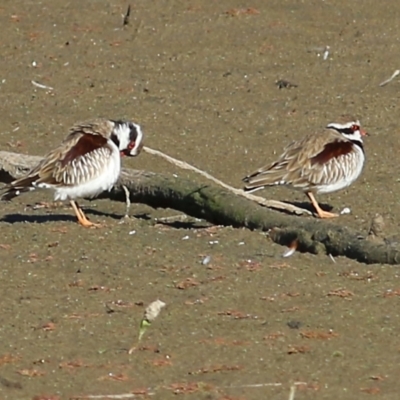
(292, 392)
(395, 73)
(260, 200)
(127, 201)
(127, 15)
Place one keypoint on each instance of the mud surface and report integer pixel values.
(200, 77)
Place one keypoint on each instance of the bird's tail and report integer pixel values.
(17, 187)
(262, 178)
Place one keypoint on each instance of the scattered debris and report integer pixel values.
(319, 335)
(392, 293)
(30, 372)
(332, 258)
(237, 314)
(395, 73)
(250, 265)
(345, 210)
(320, 50)
(294, 324)
(371, 390)
(344, 293)
(8, 359)
(114, 377)
(216, 368)
(298, 349)
(284, 84)
(187, 283)
(206, 260)
(291, 249)
(235, 12)
(376, 229)
(40, 86)
(150, 314)
(326, 53)
(162, 362)
(46, 397)
(186, 387)
(377, 377)
(127, 15)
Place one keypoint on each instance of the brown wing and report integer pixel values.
(332, 150)
(79, 163)
(85, 144)
(57, 166)
(81, 156)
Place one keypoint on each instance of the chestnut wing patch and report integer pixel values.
(332, 150)
(86, 144)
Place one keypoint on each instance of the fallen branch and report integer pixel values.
(220, 206)
(274, 204)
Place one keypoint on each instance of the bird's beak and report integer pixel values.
(364, 133)
(133, 150)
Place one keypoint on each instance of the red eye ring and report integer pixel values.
(355, 127)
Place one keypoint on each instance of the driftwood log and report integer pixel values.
(220, 206)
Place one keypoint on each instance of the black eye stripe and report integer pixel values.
(347, 131)
(133, 134)
(115, 139)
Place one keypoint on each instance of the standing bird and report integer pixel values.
(318, 163)
(85, 164)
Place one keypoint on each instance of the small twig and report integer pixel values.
(126, 17)
(39, 85)
(127, 201)
(395, 73)
(326, 53)
(278, 205)
(292, 392)
(284, 84)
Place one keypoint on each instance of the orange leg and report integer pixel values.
(82, 219)
(321, 213)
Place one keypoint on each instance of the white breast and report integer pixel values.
(104, 179)
(341, 172)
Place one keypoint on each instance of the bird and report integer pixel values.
(86, 163)
(318, 163)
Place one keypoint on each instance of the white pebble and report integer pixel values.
(132, 232)
(185, 237)
(206, 260)
(345, 210)
(289, 252)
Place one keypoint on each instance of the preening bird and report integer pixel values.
(85, 164)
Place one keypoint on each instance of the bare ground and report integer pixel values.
(200, 77)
